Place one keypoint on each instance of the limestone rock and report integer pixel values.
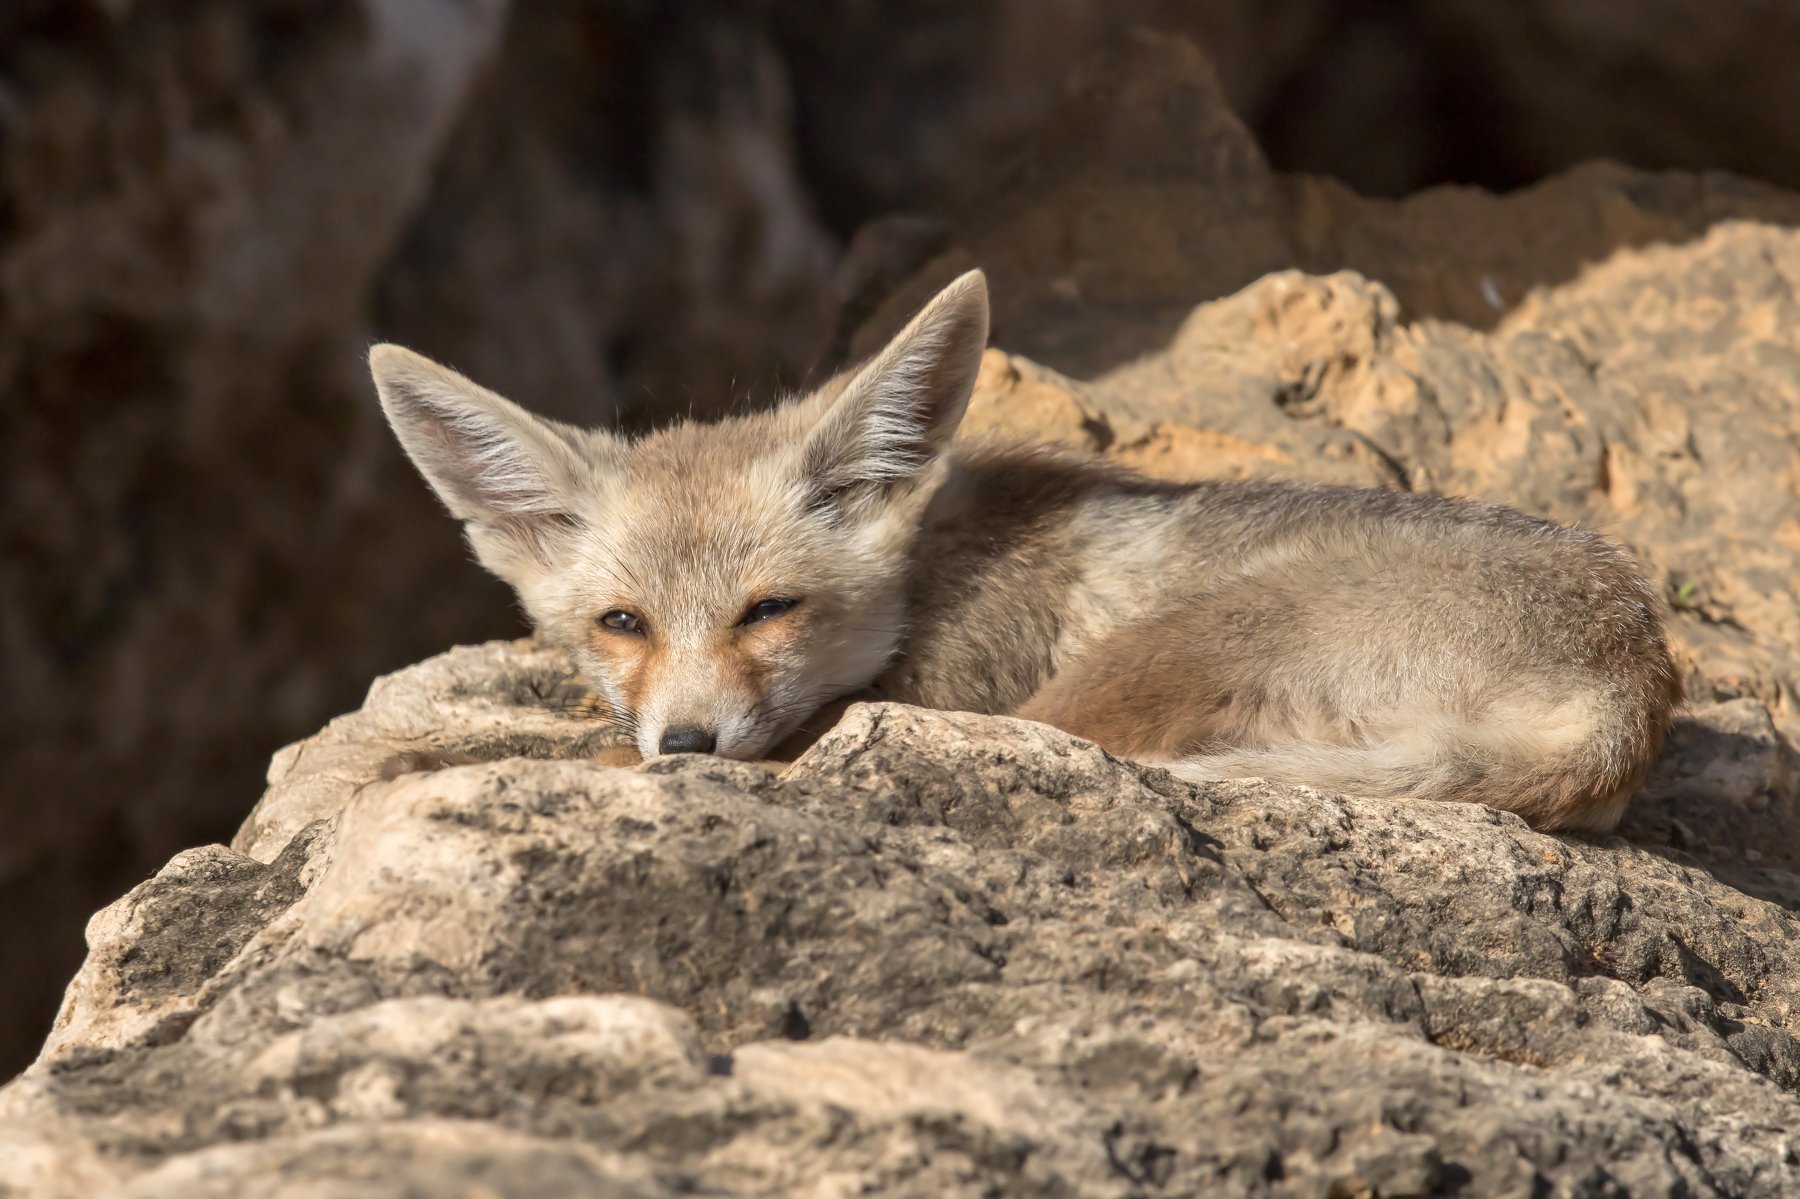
(939, 954)
(194, 200)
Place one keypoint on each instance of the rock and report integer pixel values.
(588, 207)
(209, 209)
(1146, 194)
(1016, 399)
(612, 209)
(1508, 347)
(939, 954)
(1604, 401)
(942, 954)
(1691, 86)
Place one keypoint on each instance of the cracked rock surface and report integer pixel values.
(940, 955)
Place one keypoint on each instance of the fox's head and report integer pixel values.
(717, 583)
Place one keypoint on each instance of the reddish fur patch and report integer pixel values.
(749, 672)
(754, 651)
(1141, 694)
(634, 662)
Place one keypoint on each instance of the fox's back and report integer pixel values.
(1029, 555)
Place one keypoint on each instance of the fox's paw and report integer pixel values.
(616, 755)
(422, 761)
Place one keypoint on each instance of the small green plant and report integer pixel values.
(1684, 595)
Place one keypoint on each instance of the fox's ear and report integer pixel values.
(492, 463)
(899, 411)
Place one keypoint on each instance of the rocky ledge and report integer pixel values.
(939, 955)
(953, 955)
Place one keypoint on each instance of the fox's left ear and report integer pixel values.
(899, 411)
(496, 466)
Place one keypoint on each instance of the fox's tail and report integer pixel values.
(1577, 784)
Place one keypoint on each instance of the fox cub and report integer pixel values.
(719, 583)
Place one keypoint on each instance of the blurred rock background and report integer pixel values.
(620, 210)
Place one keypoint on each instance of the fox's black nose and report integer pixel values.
(686, 741)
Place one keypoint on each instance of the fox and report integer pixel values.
(721, 584)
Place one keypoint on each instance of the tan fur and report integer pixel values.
(1373, 642)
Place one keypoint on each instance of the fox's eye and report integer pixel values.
(620, 621)
(766, 609)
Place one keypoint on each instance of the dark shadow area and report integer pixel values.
(1444, 115)
(1393, 96)
(1726, 802)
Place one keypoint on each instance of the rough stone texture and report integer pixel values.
(185, 441)
(1671, 85)
(939, 955)
(1514, 347)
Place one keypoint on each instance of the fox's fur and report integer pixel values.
(1374, 642)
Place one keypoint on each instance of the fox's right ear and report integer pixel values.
(899, 411)
(493, 464)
